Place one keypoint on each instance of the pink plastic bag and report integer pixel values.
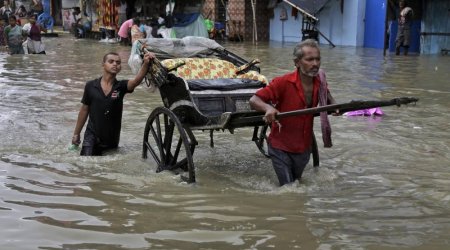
(365, 112)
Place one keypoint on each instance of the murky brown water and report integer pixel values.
(384, 185)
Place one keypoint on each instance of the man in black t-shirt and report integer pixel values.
(102, 102)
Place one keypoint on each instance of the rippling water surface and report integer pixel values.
(384, 185)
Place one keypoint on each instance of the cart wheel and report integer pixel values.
(167, 141)
(260, 135)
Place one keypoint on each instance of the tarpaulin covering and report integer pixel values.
(185, 19)
(196, 28)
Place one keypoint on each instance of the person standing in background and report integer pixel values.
(32, 30)
(137, 30)
(122, 10)
(14, 37)
(124, 32)
(6, 11)
(36, 7)
(404, 28)
(21, 11)
(2, 34)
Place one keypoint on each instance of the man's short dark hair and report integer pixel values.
(109, 53)
(298, 52)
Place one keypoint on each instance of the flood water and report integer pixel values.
(385, 184)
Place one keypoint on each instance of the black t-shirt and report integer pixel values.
(105, 111)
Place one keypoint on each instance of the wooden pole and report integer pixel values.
(302, 10)
(256, 118)
(386, 37)
(254, 21)
(255, 30)
(310, 17)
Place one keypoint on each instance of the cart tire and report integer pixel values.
(260, 135)
(166, 140)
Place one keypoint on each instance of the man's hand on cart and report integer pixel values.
(148, 57)
(270, 115)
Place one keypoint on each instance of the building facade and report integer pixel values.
(237, 17)
(368, 23)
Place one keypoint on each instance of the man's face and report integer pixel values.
(113, 64)
(12, 22)
(402, 4)
(309, 64)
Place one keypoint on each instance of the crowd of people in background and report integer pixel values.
(131, 25)
(137, 28)
(20, 11)
(20, 31)
(17, 37)
(82, 23)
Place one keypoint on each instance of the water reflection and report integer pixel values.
(385, 183)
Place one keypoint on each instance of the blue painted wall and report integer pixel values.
(362, 23)
(375, 16)
(285, 30)
(374, 24)
(436, 18)
(345, 28)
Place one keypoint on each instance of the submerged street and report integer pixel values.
(385, 184)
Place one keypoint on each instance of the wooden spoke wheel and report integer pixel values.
(167, 141)
(260, 135)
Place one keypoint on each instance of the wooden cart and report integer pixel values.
(206, 89)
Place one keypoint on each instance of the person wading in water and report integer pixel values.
(102, 103)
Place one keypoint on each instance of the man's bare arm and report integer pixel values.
(133, 83)
(259, 105)
(82, 118)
